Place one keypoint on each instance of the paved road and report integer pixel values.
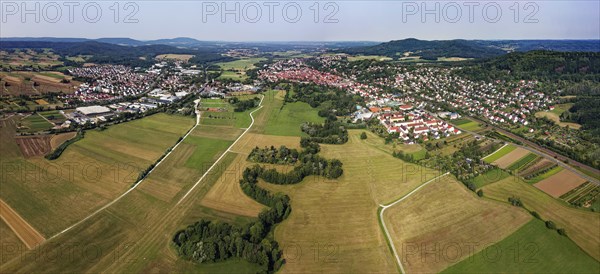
(384, 207)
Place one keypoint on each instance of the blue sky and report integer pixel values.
(348, 20)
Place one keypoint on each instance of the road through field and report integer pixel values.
(158, 164)
(224, 153)
(140, 181)
(384, 207)
(28, 235)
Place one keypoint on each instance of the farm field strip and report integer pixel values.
(510, 158)
(131, 188)
(382, 221)
(27, 233)
(497, 150)
(560, 183)
(581, 225)
(224, 153)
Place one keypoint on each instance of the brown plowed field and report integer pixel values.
(560, 183)
(511, 157)
(34, 146)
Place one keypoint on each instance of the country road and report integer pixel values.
(384, 207)
(158, 164)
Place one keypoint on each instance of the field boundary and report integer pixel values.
(28, 234)
(382, 221)
(137, 183)
(506, 144)
(224, 153)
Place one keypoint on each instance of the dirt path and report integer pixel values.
(30, 237)
(384, 207)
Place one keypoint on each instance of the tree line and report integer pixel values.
(207, 241)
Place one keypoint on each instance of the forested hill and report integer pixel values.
(115, 54)
(537, 65)
(431, 50)
(428, 50)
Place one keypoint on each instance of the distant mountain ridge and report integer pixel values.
(431, 50)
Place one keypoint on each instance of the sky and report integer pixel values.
(313, 20)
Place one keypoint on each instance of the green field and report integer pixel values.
(287, 121)
(531, 249)
(206, 149)
(34, 123)
(491, 176)
(545, 175)
(581, 225)
(498, 154)
(236, 70)
(466, 124)
(522, 162)
(225, 118)
(54, 116)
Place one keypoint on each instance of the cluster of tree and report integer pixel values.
(243, 105)
(59, 150)
(330, 100)
(330, 132)
(273, 155)
(515, 201)
(586, 111)
(207, 241)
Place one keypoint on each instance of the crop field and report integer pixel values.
(287, 121)
(30, 83)
(455, 210)
(177, 57)
(368, 57)
(537, 165)
(34, 123)
(19, 57)
(13, 247)
(236, 70)
(546, 173)
(89, 172)
(523, 162)
(489, 177)
(560, 183)
(466, 124)
(57, 139)
(34, 146)
(325, 211)
(580, 225)
(24, 231)
(510, 158)
(53, 116)
(499, 154)
(585, 195)
(531, 249)
(134, 234)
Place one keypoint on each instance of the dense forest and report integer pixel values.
(536, 65)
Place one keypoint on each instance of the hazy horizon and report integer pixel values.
(279, 21)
